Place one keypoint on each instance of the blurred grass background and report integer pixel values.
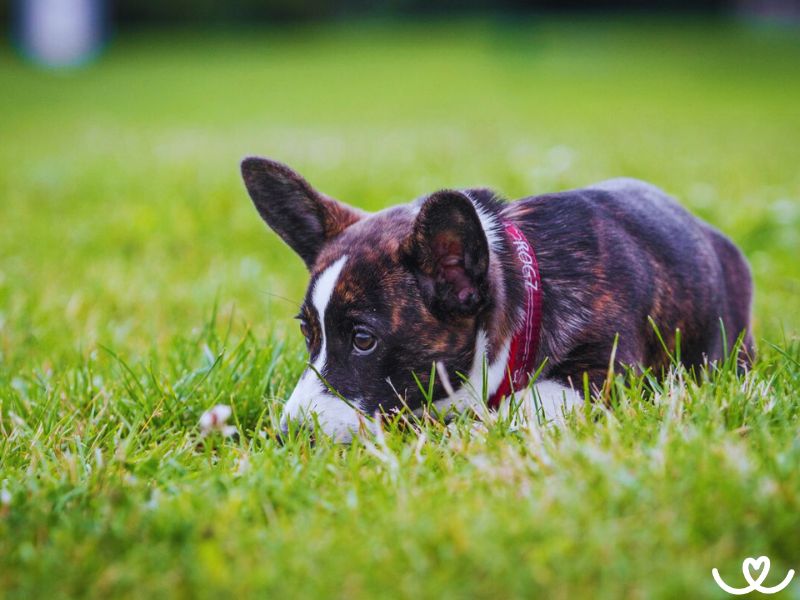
(125, 219)
(124, 223)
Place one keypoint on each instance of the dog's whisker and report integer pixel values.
(284, 298)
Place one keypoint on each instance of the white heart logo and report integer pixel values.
(750, 566)
(761, 567)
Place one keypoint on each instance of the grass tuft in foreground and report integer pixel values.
(110, 488)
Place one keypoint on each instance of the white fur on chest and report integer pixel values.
(546, 401)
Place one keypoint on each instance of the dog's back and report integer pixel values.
(720, 264)
(617, 253)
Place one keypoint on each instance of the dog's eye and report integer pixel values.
(305, 330)
(363, 341)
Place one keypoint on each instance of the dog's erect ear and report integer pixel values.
(449, 254)
(303, 217)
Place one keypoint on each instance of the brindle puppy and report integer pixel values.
(437, 281)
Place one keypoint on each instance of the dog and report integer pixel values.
(563, 285)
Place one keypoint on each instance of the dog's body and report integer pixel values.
(438, 281)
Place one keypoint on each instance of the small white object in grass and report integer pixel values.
(215, 420)
(5, 497)
(242, 464)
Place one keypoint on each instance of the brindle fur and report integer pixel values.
(610, 257)
(615, 254)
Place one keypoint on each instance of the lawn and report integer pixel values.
(138, 288)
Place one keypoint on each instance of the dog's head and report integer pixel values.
(391, 294)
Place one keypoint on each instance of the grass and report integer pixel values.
(138, 288)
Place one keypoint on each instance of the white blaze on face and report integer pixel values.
(311, 397)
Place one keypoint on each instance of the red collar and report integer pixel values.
(525, 343)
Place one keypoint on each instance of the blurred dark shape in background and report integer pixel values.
(143, 11)
(787, 11)
(146, 11)
(127, 12)
(60, 33)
